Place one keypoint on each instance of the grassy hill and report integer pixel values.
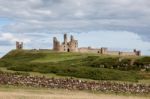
(91, 66)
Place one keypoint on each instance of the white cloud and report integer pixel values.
(79, 14)
(13, 38)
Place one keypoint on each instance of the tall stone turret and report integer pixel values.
(19, 45)
(73, 44)
(103, 50)
(71, 38)
(65, 38)
(56, 44)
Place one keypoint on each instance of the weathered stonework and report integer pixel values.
(19, 45)
(105, 51)
(71, 46)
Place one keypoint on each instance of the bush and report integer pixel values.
(21, 67)
(148, 69)
(4, 63)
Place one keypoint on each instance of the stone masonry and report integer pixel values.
(71, 46)
(19, 45)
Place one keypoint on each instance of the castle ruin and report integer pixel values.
(105, 51)
(72, 46)
(65, 46)
(19, 45)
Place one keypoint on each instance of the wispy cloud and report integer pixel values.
(9, 37)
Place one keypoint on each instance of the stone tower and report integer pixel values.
(64, 46)
(71, 46)
(65, 38)
(138, 53)
(103, 50)
(19, 45)
(71, 38)
(56, 44)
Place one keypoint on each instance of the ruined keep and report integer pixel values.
(72, 46)
(65, 46)
(19, 45)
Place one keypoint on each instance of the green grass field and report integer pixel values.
(87, 66)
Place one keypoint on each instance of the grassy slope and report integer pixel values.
(65, 64)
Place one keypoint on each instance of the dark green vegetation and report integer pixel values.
(79, 65)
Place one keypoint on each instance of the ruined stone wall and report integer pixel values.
(19, 45)
(83, 50)
(103, 50)
(64, 47)
(56, 44)
(138, 53)
(71, 46)
(89, 50)
(112, 52)
(127, 54)
(121, 53)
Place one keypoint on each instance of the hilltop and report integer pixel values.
(80, 65)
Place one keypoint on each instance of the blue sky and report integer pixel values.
(3, 22)
(116, 24)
